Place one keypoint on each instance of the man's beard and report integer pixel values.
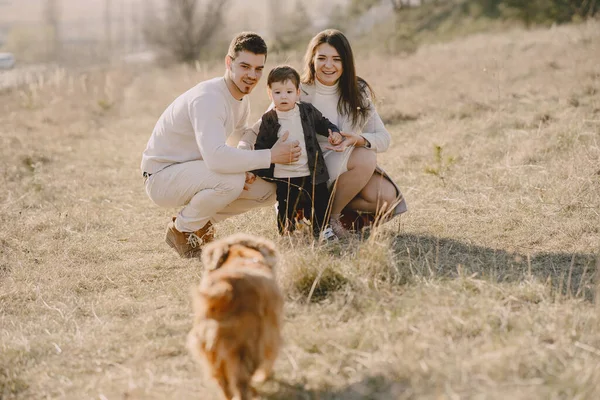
(247, 91)
(241, 89)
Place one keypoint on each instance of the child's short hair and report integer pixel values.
(283, 73)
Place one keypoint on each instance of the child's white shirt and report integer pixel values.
(290, 121)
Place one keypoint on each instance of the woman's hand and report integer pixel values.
(349, 139)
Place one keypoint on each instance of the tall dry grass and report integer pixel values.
(487, 288)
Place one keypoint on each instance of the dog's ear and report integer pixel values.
(214, 255)
(265, 247)
(268, 251)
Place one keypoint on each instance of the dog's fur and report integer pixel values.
(238, 314)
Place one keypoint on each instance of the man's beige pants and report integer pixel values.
(205, 195)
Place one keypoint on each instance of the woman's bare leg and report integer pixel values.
(361, 166)
(376, 197)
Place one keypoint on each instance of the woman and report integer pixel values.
(330, 83)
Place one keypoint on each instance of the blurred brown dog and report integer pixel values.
(238, 314)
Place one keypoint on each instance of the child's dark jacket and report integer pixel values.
(313, 123)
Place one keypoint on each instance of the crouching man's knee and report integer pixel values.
(261, 191)
(230, 186)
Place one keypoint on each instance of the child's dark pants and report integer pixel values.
(295, 194)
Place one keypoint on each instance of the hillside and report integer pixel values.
(487, 288)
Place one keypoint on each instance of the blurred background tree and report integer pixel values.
(100, 31)
(290, 30)
(52, 18)
(409, 23)
(548, 11)
(186, 29)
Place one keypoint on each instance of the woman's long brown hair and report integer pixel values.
(354, 91)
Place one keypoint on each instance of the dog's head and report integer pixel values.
(239, 246)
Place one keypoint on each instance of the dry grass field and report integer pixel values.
(486, 289)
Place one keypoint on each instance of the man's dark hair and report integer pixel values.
(283, 73)
(247, 41)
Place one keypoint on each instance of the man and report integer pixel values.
(188, 163)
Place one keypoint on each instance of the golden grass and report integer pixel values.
(487, 288)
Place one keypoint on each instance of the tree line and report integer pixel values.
(185, 30)
(530, 12)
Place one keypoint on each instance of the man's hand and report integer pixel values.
(245, 145)
(284, 152)
(349, 140)
(335, 138)
(250, 178)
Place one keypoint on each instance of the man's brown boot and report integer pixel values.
(189, 244)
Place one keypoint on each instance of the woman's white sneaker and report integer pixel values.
(327, 235)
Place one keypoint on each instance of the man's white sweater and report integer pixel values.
(196, 127)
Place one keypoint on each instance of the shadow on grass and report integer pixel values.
(572, 274)
(370, 388)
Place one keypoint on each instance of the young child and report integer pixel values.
(302, 185)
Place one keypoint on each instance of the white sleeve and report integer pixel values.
(250, 134)
(208, 120)
(375, 132)
(249, 137)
